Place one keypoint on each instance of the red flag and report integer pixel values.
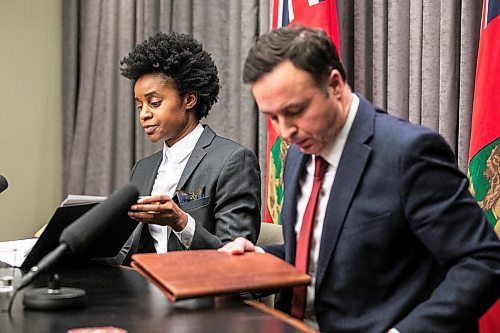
(484, 151)
(312, 13)
(490, 321)
(486, 108)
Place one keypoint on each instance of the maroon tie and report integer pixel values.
(304, 240)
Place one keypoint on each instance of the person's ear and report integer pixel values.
(190, 99)
(335, 82)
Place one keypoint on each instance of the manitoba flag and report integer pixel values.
(312, 13)
(484, 151)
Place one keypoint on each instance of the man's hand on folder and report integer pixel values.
(239, 246)
(161, 210)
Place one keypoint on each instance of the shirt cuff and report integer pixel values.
(393, 330)
(258, 249)
(187, 234)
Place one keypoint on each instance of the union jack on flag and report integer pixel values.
(311, 13)
(492, 10)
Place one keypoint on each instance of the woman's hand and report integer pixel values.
(161, 210)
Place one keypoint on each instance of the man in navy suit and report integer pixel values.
(398, 243)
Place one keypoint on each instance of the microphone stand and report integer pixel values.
(54, 297)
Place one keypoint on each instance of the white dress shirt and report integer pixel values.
(331, 153)
(172, 165)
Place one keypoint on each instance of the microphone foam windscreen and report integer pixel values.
(90, 225)
(3, 183)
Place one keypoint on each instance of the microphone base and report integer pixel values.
(44, 300)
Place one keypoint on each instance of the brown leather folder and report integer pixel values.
(189, 274)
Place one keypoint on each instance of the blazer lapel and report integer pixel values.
(349, 173)
(294, 168)
(147, 177)
(197, 155)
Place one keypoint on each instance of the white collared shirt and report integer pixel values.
(169, 173)
(331, 153)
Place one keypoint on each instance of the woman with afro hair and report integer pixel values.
(201, 190)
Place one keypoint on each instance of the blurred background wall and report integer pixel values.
(30, 114)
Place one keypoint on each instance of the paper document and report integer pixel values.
(23, 247)
(76, 200)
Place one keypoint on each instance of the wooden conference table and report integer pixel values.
(120, 297)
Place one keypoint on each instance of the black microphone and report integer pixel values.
(3, 183)
(80, 234)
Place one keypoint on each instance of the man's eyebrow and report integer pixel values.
(295, 105)
(286, 108)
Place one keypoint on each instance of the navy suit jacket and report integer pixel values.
(403, 244)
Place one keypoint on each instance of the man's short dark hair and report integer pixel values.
(178, 58)
(308, 49)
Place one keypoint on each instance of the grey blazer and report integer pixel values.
(230, 207)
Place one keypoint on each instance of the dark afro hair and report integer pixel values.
(180, 58)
